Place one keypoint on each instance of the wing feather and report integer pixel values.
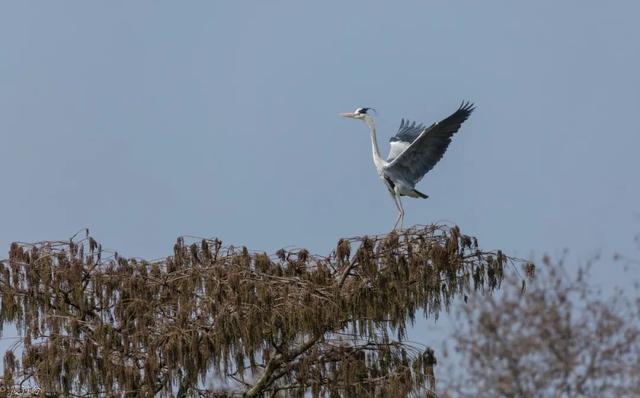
(424, 151)
(407, 133)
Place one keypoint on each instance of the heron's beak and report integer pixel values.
(349, 115)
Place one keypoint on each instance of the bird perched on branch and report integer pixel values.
(415, 149)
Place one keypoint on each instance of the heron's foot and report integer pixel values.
(395, 226)
(399, 222)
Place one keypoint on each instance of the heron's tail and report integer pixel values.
(420, 194)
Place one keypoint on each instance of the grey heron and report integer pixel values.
(414, 150)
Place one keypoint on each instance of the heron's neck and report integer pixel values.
(377, 159)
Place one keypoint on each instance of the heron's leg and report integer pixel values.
(396, 198)
(401, 211)
(398, 206)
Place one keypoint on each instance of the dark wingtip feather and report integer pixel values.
(467, 107)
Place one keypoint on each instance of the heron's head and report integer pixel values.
(360, 113)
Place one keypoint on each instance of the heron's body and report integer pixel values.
(414, 150)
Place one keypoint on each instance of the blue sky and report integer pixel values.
(147, 120)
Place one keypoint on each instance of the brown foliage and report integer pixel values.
(222, 320)
(561, 337)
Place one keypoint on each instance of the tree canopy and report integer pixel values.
(214, 320)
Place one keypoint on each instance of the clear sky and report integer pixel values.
(147, 120)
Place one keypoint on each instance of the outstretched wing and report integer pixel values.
(419, 156)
